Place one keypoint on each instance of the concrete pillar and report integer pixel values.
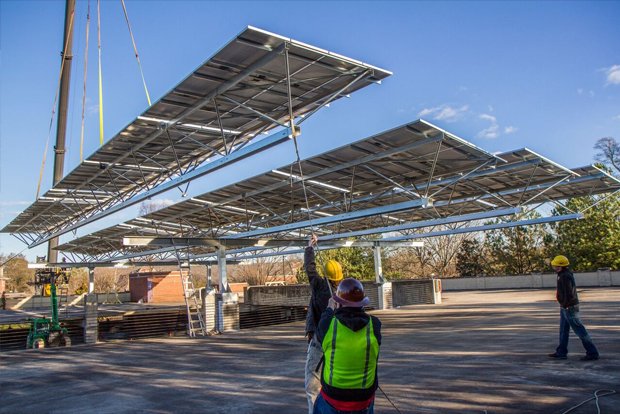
(91, 280)
(221, 267)
(91, 324)
(221, 311)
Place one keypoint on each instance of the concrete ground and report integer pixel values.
(476, 352)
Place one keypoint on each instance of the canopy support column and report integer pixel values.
(380, 281)
(91, 280)
(221, 267)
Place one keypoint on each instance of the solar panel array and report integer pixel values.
(239, 93)
(409, 174)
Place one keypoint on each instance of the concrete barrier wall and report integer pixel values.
(44, 301)
(295, 295)
(600, 278)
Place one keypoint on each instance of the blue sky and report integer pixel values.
(503, 75)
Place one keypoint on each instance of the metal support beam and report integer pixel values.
(407, 205)
(489, 227)
(257, 147)
(209, 242)
(221, 267)
(91, 280)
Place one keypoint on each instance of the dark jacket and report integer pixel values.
(320, 293)
(567, 291)
(354, 319)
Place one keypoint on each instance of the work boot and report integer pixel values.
(589, 358)
(556, 356)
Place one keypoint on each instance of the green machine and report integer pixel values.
(48, 332)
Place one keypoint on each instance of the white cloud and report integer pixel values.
(613, 75)
(14, 203)
(93, 109)
(489, 117)
(510, 129)
(490, 132)
(592, 94)
(490, 108)
(616, 117)
(580, 91)
(444, 112)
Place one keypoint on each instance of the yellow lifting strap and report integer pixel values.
(49, 132)
(84, 95)
(136, 52)
(100, 88)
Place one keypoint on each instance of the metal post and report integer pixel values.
(208, 277)
(379, 275)
(91, 280)
(63, 104)
(221, 267)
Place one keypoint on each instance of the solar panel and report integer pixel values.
(206, 121)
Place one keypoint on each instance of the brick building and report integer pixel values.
(152, 287)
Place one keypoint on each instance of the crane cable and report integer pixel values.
(100, 87)
(301, 172)
(136, 52)
(84, 95)
(49, 132)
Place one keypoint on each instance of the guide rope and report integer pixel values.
(100, 87)
(596, 396)
(49, 132)
(84, 95)
(303, 184)
(136, 52)
(388, 398)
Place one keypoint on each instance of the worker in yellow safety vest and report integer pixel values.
(350, 339)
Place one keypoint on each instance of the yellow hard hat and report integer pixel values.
(560, 261)
(333, 270)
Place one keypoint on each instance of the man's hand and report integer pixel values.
(313, 240)
(333, 304)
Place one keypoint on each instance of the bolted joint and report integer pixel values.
(59, 151)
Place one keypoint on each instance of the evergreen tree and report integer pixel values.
(519, 250)
(592, 242)
(469, 259)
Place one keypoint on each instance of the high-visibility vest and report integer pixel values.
(350, 357)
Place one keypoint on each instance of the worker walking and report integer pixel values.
(3, 300)
(318, 303)
(350, 340)
(566, 296)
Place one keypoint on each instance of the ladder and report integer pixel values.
(63, 298)
(195, 322)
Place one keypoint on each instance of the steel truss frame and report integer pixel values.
(370, 204)
(313, 78)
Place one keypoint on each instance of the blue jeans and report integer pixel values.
(323, 407)
(570, 319)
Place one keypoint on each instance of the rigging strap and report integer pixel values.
(84, 95)
(100, 87)
(136, 52)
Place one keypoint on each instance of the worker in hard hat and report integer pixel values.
(318, 303)
(350, 339)
(566, 296)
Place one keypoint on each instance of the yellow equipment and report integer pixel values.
(560, 261)
(333, 270)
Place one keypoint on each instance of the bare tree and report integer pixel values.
(609, 152)
(437, 257)
(147, 207)
(258, 271)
